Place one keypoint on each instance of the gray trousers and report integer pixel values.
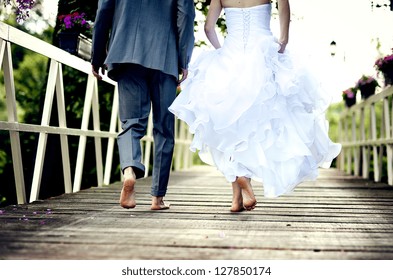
(140, 89)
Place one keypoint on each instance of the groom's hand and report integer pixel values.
(183, 76)
(96, 70)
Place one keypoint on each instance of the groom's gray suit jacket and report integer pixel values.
(153, 33)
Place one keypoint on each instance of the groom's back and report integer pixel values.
(145, 32)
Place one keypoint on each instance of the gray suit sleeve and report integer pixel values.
(102, 27)
(185, 26)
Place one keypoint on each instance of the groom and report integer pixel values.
(146, 46)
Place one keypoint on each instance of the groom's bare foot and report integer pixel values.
(157, 203)
(127, 196)
(249, 200)
(237, 198)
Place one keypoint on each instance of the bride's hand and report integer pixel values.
(282, 47)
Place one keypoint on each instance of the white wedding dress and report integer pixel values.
(253, 111)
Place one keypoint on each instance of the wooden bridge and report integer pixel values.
(346, 214)
(337, 217)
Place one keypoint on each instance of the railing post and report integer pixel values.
(348, 150)
(96, 127)
(341, 158)
(83, 138)
(187, 153)
(55, 83)
(61, 108)
(356, 149)
(6, 62)
(180, 148)
(111, 140)
(388, 135)
(377, 173)
(365, 148)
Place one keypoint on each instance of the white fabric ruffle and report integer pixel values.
(253, 111)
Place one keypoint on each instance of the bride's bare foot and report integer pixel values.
(237, 198)
(127, 195)
(157, 203)
(249, 200)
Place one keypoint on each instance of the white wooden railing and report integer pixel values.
(366, 134)
(58, 58)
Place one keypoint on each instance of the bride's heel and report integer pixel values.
(249, 200)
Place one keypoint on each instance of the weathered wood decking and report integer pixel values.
(337, 217)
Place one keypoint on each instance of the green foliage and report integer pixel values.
(3, 200)
(29, 84)
(203, 7)
(3, 159)
(3, 112)
(3, 107)
(333, 116)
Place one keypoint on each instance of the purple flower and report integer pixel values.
(365, 80)
(21, 8)
(24, 218)
(383, 63)
(349, 93)
(74, 22)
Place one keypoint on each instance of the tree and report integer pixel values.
(21, 8)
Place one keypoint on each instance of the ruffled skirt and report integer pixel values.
(255, 112)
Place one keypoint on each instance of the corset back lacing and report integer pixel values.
(246, 27)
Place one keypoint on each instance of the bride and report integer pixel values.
(254, 112)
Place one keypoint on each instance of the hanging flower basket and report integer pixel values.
(388, 76)
(76, 44)
(71, 38)
(367, 86)
(385, 65)
(350, 102)
(367, 90)
(349, 96)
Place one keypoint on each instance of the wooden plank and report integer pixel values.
(122, 252)
(332, 218)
